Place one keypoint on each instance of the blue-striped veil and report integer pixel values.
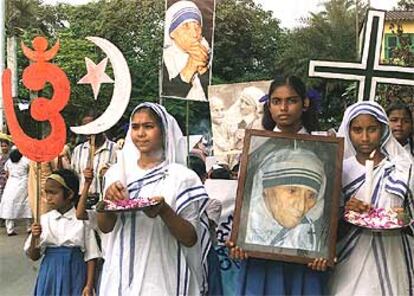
(389, 145)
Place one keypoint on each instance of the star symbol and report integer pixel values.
(96, 75)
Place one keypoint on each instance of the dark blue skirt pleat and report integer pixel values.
(266, 277)
(62, 272)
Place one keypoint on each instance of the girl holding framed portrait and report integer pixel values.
(287, 109)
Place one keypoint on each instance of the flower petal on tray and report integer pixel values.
(127, 204)
(377, 218)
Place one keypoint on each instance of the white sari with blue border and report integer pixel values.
(142, 257)
(375, 263)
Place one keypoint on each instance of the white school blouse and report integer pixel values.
(64, 230)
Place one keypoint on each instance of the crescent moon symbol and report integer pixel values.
(120, 96)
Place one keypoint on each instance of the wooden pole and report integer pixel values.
(38, 193)
(92, 150)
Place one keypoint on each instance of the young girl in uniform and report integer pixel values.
(163, 250)
(373, 263)
(287, 109)
(69, 245)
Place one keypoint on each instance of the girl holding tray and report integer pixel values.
(369, 262)
(161, 250)
(287, 109)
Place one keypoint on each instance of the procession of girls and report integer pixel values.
(163, 250)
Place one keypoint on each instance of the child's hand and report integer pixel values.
(87, 291)
(357, 205)
(319, 264)
(88, 175)
(36, 230)
(235, 251)
(155, 210)
(116, 191)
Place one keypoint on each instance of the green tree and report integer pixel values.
(402, 55)
(247, 42)
(23, 18)
(406, 5)
(327, 35)
(135, 28)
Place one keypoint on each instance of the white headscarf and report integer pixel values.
(174, 145)
(174, 142)
(389, 145)
(174, 57)
(397, 158)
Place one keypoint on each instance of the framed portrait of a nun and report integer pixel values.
(187, 51)
(288, 196)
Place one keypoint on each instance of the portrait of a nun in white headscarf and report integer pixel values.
(287, 200)
(186, 53)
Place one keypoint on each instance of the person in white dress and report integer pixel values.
(162, 250)
(370, 262)
(14, 203)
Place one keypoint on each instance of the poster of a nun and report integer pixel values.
(188, 47)
(233, 109)
(290, 190)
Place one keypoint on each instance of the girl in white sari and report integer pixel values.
(374, 263)
(161, 251)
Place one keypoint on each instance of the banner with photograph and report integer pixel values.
(188, 48)
(234, 108)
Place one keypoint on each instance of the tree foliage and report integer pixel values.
(327, 35)
(247, 42)
(406, 5)
(402, 55)
(249, 45)
(136, 28)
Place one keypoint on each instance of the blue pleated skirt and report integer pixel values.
(214, 273)
(62, 272)
(266, 277)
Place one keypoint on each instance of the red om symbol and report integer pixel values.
(35, 77)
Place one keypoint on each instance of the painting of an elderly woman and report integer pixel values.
(288, 193)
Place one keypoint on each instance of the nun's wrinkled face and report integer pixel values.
(365, 132)
(187, 34)
(146, 133)
(217, 112)
(289, 204)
